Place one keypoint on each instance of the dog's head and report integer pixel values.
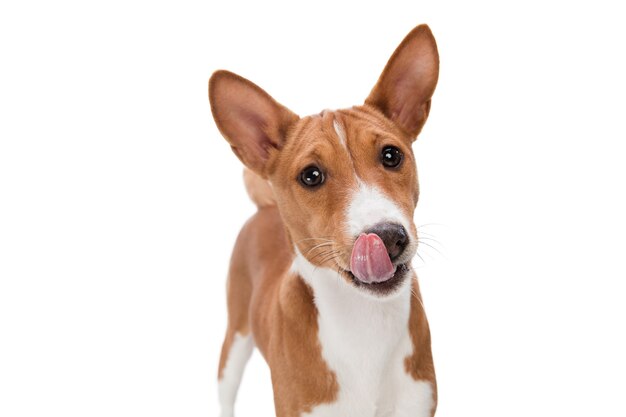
(345, 181)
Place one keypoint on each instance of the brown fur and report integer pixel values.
(264, 297)
(281, 314)
(259, 190)
(321, 213)
(420, 364)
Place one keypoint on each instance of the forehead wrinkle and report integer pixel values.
(374, 120)
(314, 151)
(362, 134)
(322, 131)
(318, 142)
(363, 123)
(335, 126)
(301, 135)
(316, 133)
(312, 122)
(299, 127)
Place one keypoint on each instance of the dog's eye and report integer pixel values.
(311, 176)
(391, 156)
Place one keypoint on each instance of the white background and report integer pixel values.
(119, 201)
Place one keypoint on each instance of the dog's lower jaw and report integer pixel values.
(384, 288)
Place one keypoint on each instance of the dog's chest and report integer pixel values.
(365, 343)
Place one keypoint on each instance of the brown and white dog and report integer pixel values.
(320, 279)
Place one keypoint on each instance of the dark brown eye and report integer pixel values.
(311, 176)
(391, 157)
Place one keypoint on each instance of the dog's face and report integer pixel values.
(342, 174)
(345, 181)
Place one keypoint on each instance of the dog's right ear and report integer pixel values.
(405, 87)
(252, 122)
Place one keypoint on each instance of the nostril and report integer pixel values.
(394, 236)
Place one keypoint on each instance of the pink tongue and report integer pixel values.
(370, 261)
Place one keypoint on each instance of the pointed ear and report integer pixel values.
(407, 83)
(252, 122)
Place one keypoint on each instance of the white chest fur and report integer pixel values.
(365, 341)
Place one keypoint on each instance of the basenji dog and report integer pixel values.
(320, 279)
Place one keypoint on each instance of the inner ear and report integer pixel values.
(406, 85)
(250, 120)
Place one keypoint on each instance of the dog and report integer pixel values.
(320, 279)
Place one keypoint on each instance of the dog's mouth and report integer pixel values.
(371, 267)
(381, 288)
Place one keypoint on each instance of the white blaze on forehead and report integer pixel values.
(369, 207)
(340, 132)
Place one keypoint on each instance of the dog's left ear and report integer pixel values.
(405, 87)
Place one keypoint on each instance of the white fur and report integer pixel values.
(365, 341)
(341, 133)
(369, 206)
(240, 351)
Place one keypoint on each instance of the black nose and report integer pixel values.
(394, 237)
